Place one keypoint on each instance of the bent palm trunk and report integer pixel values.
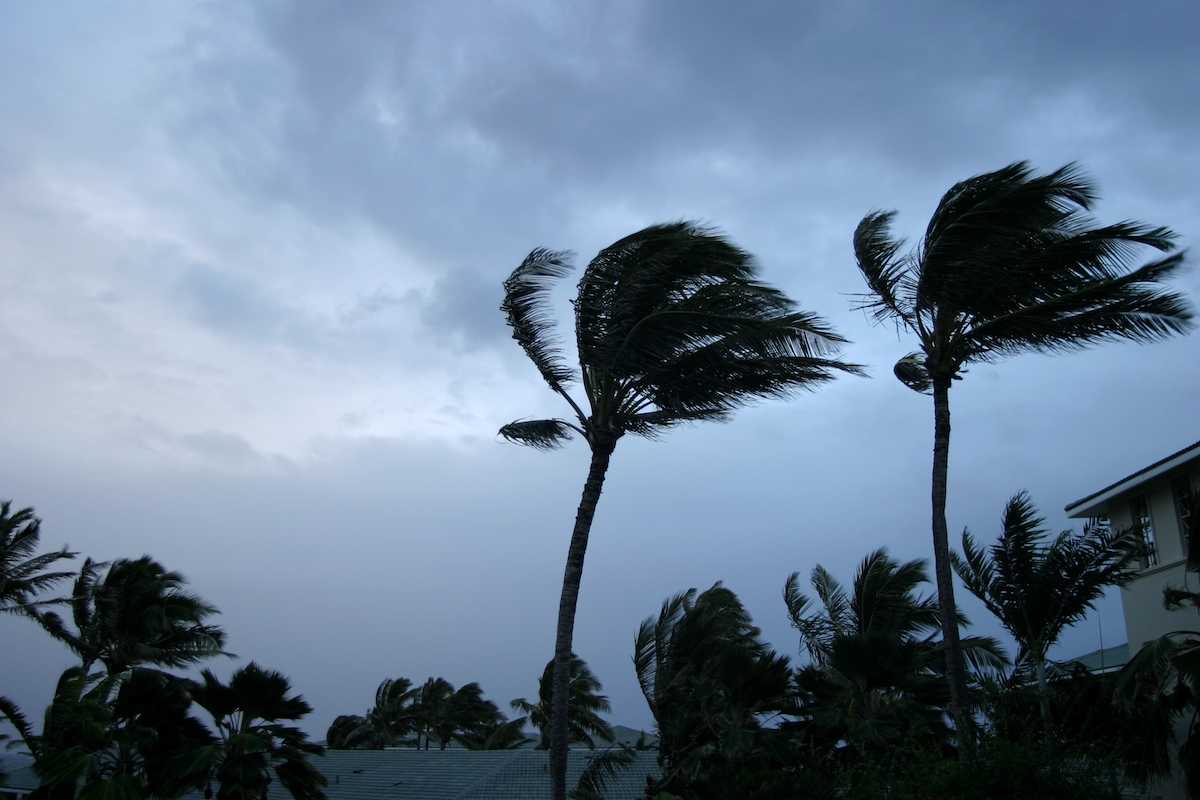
(602, 448)
(955, 667)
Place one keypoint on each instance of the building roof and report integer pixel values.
(1110, 659)
(1094, 504)
(21, 777)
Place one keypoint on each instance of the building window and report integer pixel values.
(1140, 511)
(1185, 506)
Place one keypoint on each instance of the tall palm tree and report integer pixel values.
(250, 714)
(22, 574)
(136, 614)
(586, 706)
(1037, 589)
(1011, 262)
(670, 327)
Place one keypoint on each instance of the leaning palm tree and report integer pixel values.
(1037, 589)
(22, 574)
(671, 327)
(1010, 262)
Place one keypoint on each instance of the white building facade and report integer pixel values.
(1159, 500)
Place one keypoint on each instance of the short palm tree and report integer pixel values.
(712, 685)
(250, 714)
(444, 714)
(671, 326)
(1038, 589)
(136, 614)
(1011, 262)
(22, 574)
(586, 706)
(876, 671)
(115, 737)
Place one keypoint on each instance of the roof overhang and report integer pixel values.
(1096, 505)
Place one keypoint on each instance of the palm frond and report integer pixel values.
(601, 767)
(527, 308)
(1123, 307)
(886, 274)
(542, 434)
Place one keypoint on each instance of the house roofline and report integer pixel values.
(1088, 506)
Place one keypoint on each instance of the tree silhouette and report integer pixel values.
(670, 327)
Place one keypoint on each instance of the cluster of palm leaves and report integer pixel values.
(120, 725)
(433, 713)
(437, 713)
(734, 718)
(672, 326)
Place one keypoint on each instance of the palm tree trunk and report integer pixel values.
(602, 448)
(1043, 693)
(955, 667)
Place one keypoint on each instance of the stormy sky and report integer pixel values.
(250, 268)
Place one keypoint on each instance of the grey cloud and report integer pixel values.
(222, 448)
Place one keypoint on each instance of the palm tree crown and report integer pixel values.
(670, 327)
(1037, 589)
(136, 614)
(1012, 262)
(22, 574)
(586, 705)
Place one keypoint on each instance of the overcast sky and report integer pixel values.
(250, 268)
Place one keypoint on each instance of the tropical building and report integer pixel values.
(1160, 501)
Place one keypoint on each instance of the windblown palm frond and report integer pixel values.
(527, 306)
(23, 575)
(137, 614)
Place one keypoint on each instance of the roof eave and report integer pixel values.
(1096, 505)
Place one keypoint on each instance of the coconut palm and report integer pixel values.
(670, 327)
(586, 706)
(250, 715)
(22, 574)
(1010, 262)
(1038, 589)
(443, 714)
(136, 614)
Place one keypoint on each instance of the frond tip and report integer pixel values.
(544, 434)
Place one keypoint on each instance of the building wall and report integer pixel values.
(1145, 617)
